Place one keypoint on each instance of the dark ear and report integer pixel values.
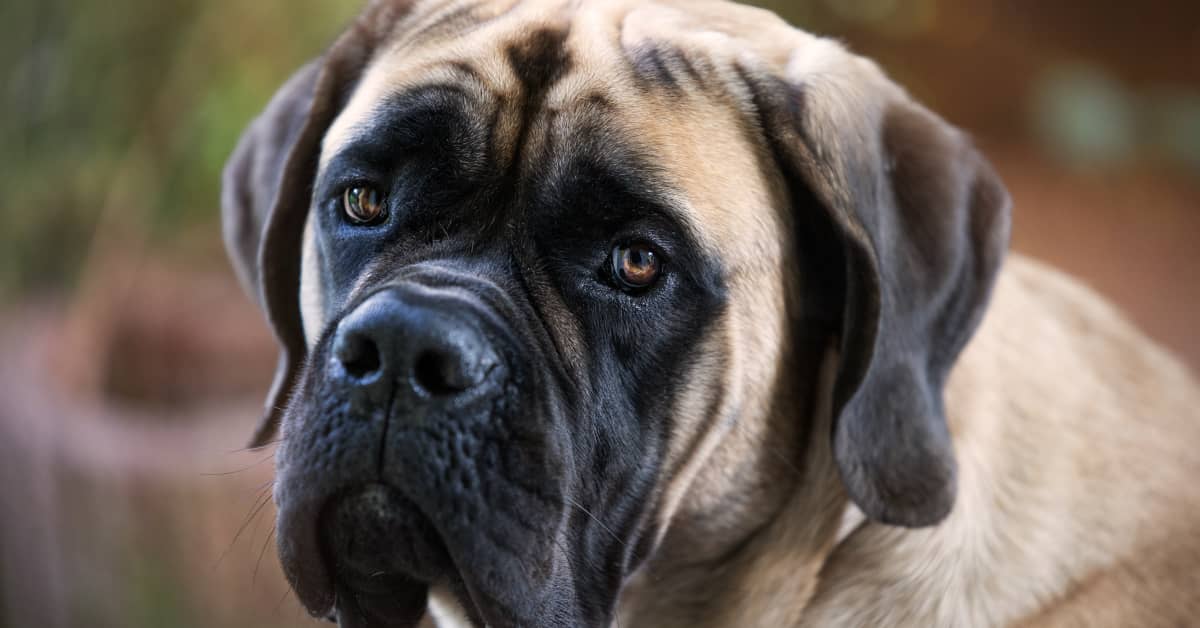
(268, 186)
(920, 224)
(253, 173)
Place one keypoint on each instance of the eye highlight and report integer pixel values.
(635, 265)
(362, 205)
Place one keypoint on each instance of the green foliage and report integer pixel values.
(156, 597)
(120, 116)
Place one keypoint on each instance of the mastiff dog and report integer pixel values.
(663, 313)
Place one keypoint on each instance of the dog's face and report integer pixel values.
(551, 277)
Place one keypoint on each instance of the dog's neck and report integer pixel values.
(767, 576)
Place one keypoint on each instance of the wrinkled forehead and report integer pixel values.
(660, 79)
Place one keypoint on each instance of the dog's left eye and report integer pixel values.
(362, 205)
(635, 265)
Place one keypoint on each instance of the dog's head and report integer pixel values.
(534, 265)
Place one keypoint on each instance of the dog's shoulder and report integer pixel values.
(1114, 422)
(1058, 354)
(1076, 438)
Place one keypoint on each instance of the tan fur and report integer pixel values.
(1079, 480)
(1078, 501)
(1075, 437)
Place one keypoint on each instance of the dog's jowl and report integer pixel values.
(667, 314)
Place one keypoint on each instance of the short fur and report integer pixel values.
(862, 414)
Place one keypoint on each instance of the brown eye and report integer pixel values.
(635, 265)
(362, 204)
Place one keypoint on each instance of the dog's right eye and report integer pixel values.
(635, 266)
(362, 205)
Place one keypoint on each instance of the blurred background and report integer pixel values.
(133, 367)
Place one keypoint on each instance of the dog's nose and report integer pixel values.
(412, 340)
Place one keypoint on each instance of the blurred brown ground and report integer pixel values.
(128, 385)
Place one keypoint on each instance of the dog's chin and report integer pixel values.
(373, 562)
(382, 554)
(369, 557)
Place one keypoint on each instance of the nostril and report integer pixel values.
(358, 354)
(438, 373)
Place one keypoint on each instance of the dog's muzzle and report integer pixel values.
(417, 454)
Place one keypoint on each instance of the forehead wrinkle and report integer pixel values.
(407, 63)
(369, 102)
(730, 202)
(681, 137)
(482, 32)
(452, 19)
(456, 20)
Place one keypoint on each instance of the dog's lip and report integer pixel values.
(382, 598)
(308, 569)
(384, 554)
(333, 588)
(388, 601)
(299, 547)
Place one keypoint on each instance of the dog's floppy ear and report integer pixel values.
(917, 226)
(267, 189)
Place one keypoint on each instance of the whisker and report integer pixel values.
(241, 470)
(261, 487)
(278, 605)
(259, 503)
(255, 448)
(262, 552)
(597, 520)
